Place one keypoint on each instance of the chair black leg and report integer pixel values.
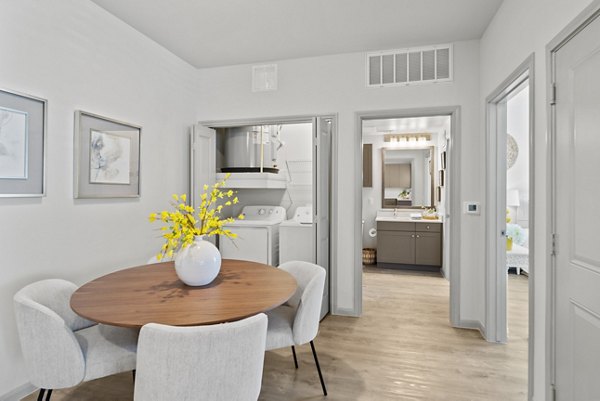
(295, 359)
(312, 346)
(133, 374)
(49, 395)
(41, 394)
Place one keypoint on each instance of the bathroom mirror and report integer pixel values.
(407, 178)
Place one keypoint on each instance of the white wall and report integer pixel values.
(519, 29)
(336, 84)
(517, 177)
(77, 56)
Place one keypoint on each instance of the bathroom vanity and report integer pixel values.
(407, 243)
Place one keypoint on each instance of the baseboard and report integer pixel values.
(341, 312)
(19, 393)
(471, 325)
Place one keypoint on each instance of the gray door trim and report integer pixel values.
(588, 15)
(453, 219)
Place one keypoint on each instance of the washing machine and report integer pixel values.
(296, 237)
(257, 235)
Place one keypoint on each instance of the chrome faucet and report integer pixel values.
(395, 212)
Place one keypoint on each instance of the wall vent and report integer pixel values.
(264, 78)
(417, 65)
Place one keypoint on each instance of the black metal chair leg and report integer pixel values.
(41, 394)
(295, 359)
(49, 395)
(312, 346)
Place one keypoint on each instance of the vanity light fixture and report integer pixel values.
(408, 137)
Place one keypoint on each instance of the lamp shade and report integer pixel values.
(512, 197)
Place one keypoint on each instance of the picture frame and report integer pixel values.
(23, 126)
(106, 157)
(442, 177)
(443, 160)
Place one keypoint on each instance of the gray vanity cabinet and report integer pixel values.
(408, 243)
(396, 247)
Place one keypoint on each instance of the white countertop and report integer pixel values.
(405, 219)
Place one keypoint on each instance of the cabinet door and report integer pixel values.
(396, 247)
(428, 249)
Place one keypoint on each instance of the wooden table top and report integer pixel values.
(153, 294)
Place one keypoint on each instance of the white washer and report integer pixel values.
(296, 237)
(257, 235)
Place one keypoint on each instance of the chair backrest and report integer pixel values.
(46, 322)
(307, 299)
(218, 362)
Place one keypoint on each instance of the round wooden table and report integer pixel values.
(153, 294)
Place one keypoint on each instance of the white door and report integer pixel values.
(203, 166)
(322, 160)
(577, 219)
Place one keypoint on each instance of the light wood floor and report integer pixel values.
(402, 348)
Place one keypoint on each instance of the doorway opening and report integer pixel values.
(409, 188)
(281, 170)
(510, 218)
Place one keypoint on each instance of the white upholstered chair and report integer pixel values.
(221, 362)
(297, 321)
(60, 348)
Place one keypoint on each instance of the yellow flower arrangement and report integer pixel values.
(185, 222)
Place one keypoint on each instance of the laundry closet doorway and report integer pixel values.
(281, 164)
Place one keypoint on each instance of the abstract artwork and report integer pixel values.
(13, 144)
(22, 145)
(109, 158)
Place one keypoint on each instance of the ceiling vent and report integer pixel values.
(416, 65)
(264, 78)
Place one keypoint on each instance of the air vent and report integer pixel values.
(264, 78)
(410, 66)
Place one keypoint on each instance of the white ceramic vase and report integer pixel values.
(199, 263)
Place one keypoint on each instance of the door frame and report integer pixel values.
(453, 213)
(496, 323)
(333, 201)
(589, 14)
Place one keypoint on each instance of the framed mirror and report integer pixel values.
(407, 178)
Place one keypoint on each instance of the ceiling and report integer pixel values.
(210, 33)
(405, 125)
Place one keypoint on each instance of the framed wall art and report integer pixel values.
(107, 157)
(22, 145)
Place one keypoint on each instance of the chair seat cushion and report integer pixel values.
(107, 350)
(279, 331)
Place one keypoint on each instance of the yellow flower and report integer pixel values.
(185, 222)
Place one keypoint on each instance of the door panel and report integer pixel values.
(396, 247)
(577, 188)
(322, 183)
(202, 160)
(428, 249)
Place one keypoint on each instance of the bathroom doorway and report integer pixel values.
(409, 187)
